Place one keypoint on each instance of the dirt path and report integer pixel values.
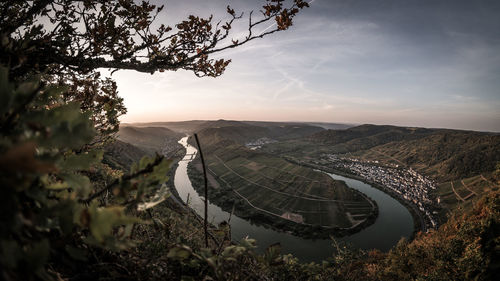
(456, 194)
(468, 188)
(469, 196)
(487, 180)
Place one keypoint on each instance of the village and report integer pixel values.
(406, 182)
(257, 144)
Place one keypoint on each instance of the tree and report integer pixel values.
(56, 111)
(81, 36)
(68, 41)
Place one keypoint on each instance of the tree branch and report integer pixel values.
(148, 169)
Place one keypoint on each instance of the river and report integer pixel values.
(394, 221)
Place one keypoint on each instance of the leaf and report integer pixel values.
(212, 262)
(160, 171)
(272, 254)
(79, 183)
(67, 125)
(81, 161)
(179, 253)
(248, 243)
(50, 94)
(25, 90)
(103, 219)
(65, 212)
(145, 161)
(233, 251)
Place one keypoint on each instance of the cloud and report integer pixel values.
(394, 62)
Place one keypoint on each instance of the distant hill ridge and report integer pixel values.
(242, 132)
(443, 153)
(192, 126)
(373, 134)
(149, 139)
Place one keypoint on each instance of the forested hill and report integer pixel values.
(442, 153)
(121, 155)
(445, 155)
(243, 132)
(176, 126)
(366, 136)
(150, 139)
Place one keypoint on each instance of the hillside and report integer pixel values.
(439, 153)
(121, 155)
(282, 130)
(243, 132)
(183, 127)
(267, 188)
(332, 126)
(460, 163)
(444, 155)
(150, 139)
(367, 136)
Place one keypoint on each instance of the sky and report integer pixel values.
(411, 63)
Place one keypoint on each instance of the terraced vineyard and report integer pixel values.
(276, 187)
(462, 193)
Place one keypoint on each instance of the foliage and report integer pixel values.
(67, 41)
(465, 248)
(45, 179)
(82, 36)
(58, 201)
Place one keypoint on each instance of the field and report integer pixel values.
(276, 187)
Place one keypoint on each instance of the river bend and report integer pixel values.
(394, 221)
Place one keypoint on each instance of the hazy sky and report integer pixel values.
(417, 63)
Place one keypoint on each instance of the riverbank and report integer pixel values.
(418, 223)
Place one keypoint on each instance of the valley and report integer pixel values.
(392, 223)
(272, 173)
(422, 167)
(269, 189)
(257, 184)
